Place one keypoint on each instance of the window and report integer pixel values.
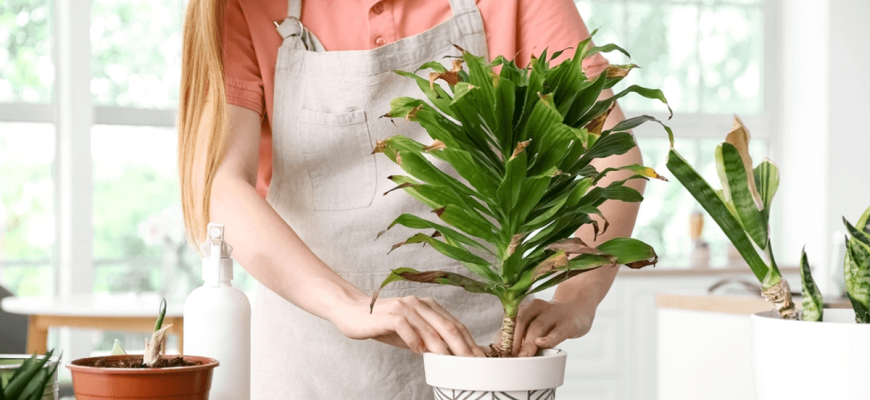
(708, 57)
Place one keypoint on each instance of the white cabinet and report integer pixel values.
(618, 358)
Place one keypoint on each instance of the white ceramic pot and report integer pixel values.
(527, 378)
(798, 360)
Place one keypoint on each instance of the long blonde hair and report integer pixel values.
(202, 112)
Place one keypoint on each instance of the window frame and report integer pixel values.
(74, 114)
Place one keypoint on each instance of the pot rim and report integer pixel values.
(842, 317)
(545, 353)
(544, 371)
(207, 363)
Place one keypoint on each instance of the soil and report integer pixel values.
(137, 362)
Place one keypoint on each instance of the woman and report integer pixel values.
(285, 163)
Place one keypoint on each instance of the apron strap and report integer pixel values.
(294, 9)
(461, 6)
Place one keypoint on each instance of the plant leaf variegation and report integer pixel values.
(857, 267)
(519, 143)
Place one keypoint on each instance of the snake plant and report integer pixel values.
(29, 380)
(741, 208)
(857, 267)
(508, 173)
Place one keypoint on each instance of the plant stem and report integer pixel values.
(508, 325)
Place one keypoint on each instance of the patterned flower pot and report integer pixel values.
(528, 378)
(810, 360)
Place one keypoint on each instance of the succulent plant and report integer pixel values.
(29, 380)
(741, 208)
(856, 267)
(810, 295)
(521, 141)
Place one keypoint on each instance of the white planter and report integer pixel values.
(527, 378)
(798, 360)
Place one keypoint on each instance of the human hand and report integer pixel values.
(420, 325)
(544, 324)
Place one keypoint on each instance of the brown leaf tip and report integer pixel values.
(436, 145)
(439, 211)
(380, 146)
(521, 146)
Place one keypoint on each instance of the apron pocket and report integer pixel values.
(337, 151)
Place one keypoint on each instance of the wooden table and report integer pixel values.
(129, 312)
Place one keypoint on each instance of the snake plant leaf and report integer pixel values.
(767, 182)
(24, 374)
(739, 138)
(161, 313)
(436, 277)
(117, 349)
(856, 269)
(716, 208)
(736, 186)
(415, 222)
(812, 298)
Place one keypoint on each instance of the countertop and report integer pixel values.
(729, 304)
(687, 272)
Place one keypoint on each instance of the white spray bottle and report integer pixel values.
(217, 321)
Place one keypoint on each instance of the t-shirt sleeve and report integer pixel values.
(553, 24)
(241, 72)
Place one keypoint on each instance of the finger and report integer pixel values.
(431, 338)
(449, 332)
(537, 328)
(408, 334)
(463, 330)
(526, 315)
(552, 339)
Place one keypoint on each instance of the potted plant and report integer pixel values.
(23, 378)
(512, 183)
(141, 377)
(833, 341)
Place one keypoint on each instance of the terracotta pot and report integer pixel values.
(177, 383)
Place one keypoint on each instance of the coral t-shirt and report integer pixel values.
(513, 28)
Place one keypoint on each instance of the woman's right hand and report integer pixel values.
(421, 325)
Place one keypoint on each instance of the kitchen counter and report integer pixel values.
(729, 304)
(688, 272)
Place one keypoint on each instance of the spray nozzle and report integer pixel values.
(216, 264)
(215, 233)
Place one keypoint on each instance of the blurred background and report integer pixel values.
(89, 198)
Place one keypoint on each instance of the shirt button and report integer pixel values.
(378, 8)
(380, 41)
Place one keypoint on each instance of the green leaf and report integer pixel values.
(602, 106)
(640, 171)
(735, 185)
(415, 222)
(17, 384)
(436, 277)
(435, 93)
(462, 220)
(475, 264)
(117, 350)
(630, 252)
(856, 269)
(160, 314)
(812, 299)
(576, 266)
(607, 48)
(716, 208)
(584, 100)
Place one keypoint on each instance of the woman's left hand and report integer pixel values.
(544, 324)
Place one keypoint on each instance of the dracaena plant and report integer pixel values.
(742, 209)
(508, 173)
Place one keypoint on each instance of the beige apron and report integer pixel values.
(328, 187)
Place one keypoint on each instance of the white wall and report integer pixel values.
(823, 104)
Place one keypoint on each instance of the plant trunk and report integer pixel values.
(508, 325)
